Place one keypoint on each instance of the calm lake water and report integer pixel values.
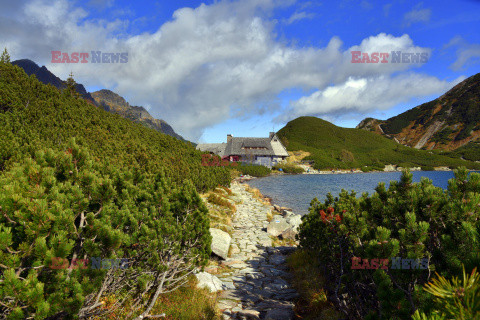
(296, 191)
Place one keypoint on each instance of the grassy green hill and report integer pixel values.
(335, 147)
(35, 116)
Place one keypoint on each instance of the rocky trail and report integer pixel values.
(257, 283)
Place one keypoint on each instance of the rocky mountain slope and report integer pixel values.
(106, 99)
(112, 102)
(447, 123)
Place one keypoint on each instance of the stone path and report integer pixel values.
(257, 287)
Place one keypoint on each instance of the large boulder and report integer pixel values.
(277, 226)
(294, 221)
(290, 234)
(208, 281)
(220, 242)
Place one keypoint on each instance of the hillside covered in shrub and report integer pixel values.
(34, 115)
(336, 147)
(98, 215)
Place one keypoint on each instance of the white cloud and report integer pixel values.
(367, 94)
(467, 53)
(417, 15)
(297, 16)
(212, 62)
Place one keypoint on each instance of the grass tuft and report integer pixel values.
(188, 303)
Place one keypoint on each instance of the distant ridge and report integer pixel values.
(47, 77)
(112, 102)
(447, 123)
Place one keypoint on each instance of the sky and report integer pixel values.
(248, 67)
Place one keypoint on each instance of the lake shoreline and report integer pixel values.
(296, 191)
(245, 178)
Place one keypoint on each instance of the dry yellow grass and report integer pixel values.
(257, 195)
(270, 216)
(221, 208)
(187, 303)
(297, 156)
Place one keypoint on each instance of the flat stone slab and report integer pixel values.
(277, 226)
(227, 304)
(249, 314)
(280, 314)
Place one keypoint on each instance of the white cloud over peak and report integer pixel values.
(364, 94)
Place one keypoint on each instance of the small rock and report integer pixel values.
(236, 309)
(228, 285)
(226, 304)
(241, 265)
(209, 281)
(230, 294)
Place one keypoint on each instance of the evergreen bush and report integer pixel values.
(407, 220)
(63, 205)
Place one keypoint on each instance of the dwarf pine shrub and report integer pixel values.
(415, 221)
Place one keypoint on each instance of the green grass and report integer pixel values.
(333, 147)
(470, 151)
(253, 170)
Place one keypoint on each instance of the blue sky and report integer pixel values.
(248, 67)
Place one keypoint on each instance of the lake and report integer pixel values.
(296, 191)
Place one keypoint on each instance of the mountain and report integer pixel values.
(45, 76)
(112, 102)
(107, 99)
(447, 123)
(336, 147)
